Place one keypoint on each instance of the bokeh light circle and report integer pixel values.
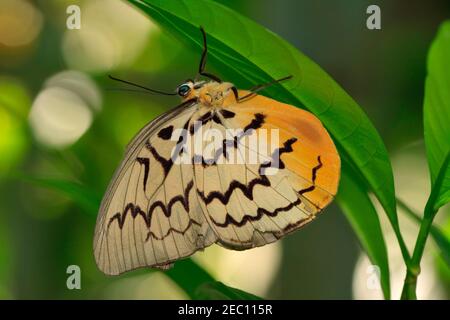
(63, 111)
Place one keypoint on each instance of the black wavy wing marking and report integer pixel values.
(247, 190)
(224, 198)
(316, 168)
(135, 210)
(183, 199)
(313, 177)
(276, 161)
(259, 214)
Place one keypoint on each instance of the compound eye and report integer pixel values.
(183, 90)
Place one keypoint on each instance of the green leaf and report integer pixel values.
(437, 115)
(85, 198)
(249, 54)
(218, 291)
(360, 212)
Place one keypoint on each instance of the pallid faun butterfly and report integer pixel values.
(157, 210)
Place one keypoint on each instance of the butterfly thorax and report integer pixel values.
(211, 94)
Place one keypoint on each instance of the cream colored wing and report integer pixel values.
(250, 204)
(150, 215)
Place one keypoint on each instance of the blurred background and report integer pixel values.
(60, 121)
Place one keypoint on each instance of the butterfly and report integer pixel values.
(157, 209)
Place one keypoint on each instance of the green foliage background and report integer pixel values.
(50, 197)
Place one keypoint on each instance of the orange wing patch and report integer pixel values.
(314, 163)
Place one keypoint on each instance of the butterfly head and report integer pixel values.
(208, 93)
(185, 89)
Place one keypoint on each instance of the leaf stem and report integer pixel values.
(413, 270)
(409, 288)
